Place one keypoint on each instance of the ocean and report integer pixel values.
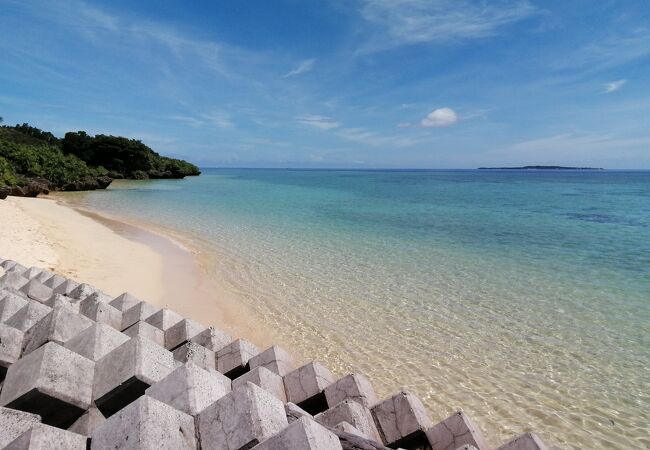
(522, 297)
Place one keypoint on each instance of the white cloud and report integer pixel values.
(417, 21)
(321, 122)
(304, 67)
(441, 117)
(614, 86)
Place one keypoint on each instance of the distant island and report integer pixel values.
(541, 168)
(33, 161)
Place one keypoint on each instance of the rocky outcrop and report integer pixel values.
(37, 186)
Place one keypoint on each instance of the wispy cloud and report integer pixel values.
(321, 122)
(373, 139)
(218, 119)
(305, 66)
(441, 117)
(614, 86)
(402, 22)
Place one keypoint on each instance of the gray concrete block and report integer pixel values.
(44, 276)
(212, 338)
(241, 419)
(528, 441)
(55, 281)
(59, 325)
(181, 332)
(164, 319)
(232, 360)
(354, 387)
(147, 331)
(10, 304)
(88, 422)
(275, 358)
(139, 312)
(264, 378)
(66, 287)
(11, 341)
(355, 414)
(52, 382)
(82, 291)
(100, 311)
(44, 437)
(125, 373)
(455, 431)
(7, 264)
(13, 280)
(62, 301)
(304, 387)
(101, 297)
(201, 356)
(124, 301)
(303, 434)
(32, 272)
(401, 419)
(190, 388)
(146, 424)
(295, 412)
(36, 291)
(96, 341)
(28, 315)
(13, 423)
(346, 427)
(18, 269)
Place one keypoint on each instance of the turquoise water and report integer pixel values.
(521, 297)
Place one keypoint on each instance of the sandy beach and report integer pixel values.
(119, 257)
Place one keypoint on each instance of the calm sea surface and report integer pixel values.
(522, 297)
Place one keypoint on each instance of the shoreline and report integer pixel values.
(113, 254)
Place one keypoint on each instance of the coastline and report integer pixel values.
(115, 255)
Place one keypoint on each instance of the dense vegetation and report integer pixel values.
(78, 160)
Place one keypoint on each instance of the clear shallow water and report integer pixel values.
(521, 297)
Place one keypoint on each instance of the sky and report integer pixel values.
(339, 83)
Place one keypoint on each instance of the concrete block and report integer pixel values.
(139, 312)
(124, 301)
(528, 441)
(62, 301)
(86, 424)
(13, 423)
(190, 388)
(303, 434)
(275, 358)
(181, 332)
(191, 352)
(146, 424)
(295, 412)
(100, 311)
(33, 272)
(13, 280)
(18, 269)
(59, 325)
(232, 360)
(96, 341)
(101, 297)
(52, 382)
(36, 291)
(212, 338)
(10, 304)
(11, 341)
(304, 387)
(7, 264)
(455, 431)
(54, 281)
(28, 315)
(147, 331)
(354, 387)
(241, 419)
(355, 414)
(82, 291)
(164, 319)
(66, 287)
(264, 378)
(402, 420)
(45, 437)
(346, 427)
(123, 375)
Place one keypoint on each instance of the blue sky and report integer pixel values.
(339, 83)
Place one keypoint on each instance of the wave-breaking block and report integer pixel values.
(455, 431)
(10, 304)
(355, 414)
(243, 418)
(232, 360)
(125, 373)
(13, 280)
(197, 354)
(264, 378)
(100, 311)
(44, 437)
(96, 341)
(305, 386)
(303, 434)
(354, 387)
(51, 381)
(140, 312)
(181, 332)
(37, 291)
(402, 420)
(11, 341)
(212, 338)
(528, 441)
(146, 424)
(28, 315)
(13, 423)
(274, 358)
(124, 301)
(66, 288)
(164, 319)
(59, 326)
